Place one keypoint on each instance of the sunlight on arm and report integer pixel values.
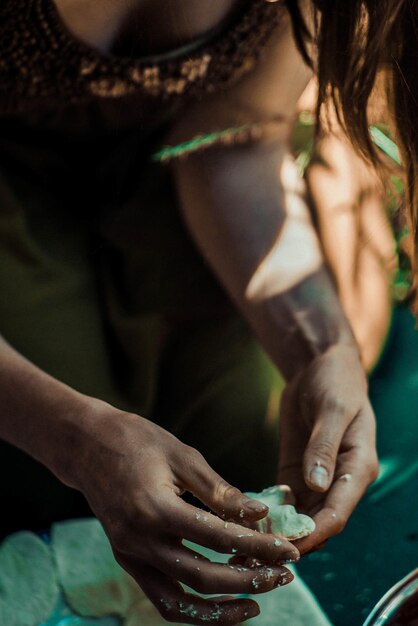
(296, 252)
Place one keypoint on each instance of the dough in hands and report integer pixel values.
(282, 519)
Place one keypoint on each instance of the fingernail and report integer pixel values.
(319, 476)
(252, 611)
(290, 557)
(284, 578)
(256, 506)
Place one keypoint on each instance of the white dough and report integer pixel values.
(283, 519)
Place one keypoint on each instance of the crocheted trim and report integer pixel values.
(40, 59)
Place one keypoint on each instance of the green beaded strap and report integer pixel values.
(226, 136)
(251, 131)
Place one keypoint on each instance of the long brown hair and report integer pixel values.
(354, 40)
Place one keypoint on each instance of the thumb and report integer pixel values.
(322, 450)
(222, 498)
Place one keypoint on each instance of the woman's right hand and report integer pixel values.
(133, 474)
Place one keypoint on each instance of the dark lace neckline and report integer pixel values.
(41, 60)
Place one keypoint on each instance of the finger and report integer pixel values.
(206, 577)
(321, 453)
(356, 469)
(238, 559)
(224, 499)
(176, 605)
(291, 473)
(205, 529)
(318, 548)
(333, 516)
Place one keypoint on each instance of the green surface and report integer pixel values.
(380, 544)
(28, 583)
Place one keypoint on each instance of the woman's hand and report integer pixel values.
(327, 441)
(133, 474)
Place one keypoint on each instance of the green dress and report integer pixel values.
(103, 288)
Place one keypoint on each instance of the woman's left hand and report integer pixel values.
(327, 441)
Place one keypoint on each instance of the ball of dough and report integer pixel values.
(283, 519)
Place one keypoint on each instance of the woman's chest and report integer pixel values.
(143, 27)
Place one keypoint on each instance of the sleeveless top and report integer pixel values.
(41, 62)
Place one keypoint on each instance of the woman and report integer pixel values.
(98, 326)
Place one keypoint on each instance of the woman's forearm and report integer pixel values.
(38, 414)
(245, 208)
